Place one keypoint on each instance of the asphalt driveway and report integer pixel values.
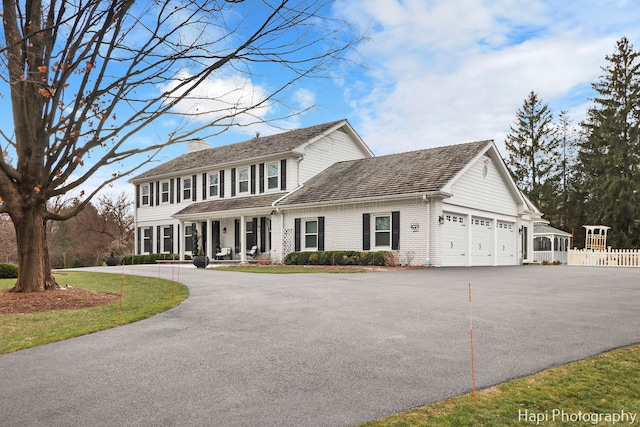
(321, 349)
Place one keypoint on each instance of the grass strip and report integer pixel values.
(602, 390)
(143, 297)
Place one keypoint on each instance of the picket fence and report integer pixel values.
(608, 258)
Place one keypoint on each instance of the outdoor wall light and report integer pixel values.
(224, 230)
(441, 220)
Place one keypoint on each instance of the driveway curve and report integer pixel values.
(319, 349)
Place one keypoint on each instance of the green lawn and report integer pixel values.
(584, 393)
(143, 297)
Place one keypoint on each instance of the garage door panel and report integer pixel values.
(481, 241)
(507, 243)
(454, 240)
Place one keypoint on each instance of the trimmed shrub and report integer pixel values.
(336, 258)
(8, 271)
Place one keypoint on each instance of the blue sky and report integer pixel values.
(441, 72)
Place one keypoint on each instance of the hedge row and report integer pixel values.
(146, 259)
(379, 258)
(8, 271)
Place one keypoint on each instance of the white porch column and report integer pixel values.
(243, 239)
(181, 240)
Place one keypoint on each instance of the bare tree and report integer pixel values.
(84, 77)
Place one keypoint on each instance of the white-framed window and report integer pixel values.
(243, 180)
(188, 237)
(145, 194)
(382, 230)
(273, 174)
(164, 192)
(311, 234)
(213, 184)
(186, 188)
(167, 246)
(147, 233)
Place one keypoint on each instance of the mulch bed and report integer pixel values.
(65, 298)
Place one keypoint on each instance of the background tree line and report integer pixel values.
(585, 173)
(99, 230)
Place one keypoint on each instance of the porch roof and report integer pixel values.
(231, 204)
(545, 230)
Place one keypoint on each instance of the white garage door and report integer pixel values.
(454, 240)
(481, 241)
(507, 243)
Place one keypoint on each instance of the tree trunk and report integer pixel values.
(33, 253)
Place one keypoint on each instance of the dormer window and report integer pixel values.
(186, 188)
(243, 180)
(272, 175)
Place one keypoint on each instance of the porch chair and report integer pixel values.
(225, 253)
(253, 252)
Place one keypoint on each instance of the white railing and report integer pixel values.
(608, 258)
(550, 256)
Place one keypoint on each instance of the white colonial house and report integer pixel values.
(321, 188)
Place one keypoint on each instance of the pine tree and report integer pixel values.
(533, 149)
(609, 156)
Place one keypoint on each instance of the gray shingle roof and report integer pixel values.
(405, 173)
(547, 229)
(253, 148)
(221, 205)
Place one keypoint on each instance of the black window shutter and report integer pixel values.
(178, 237)
(261, 177)
(298, 238)
(138, 196)
(263, 233)
(233, 182)
(157, 193)
(221, 189)
(283, 174)
(395, 230)
(158, 239)
(237, 234)
(171, 190)
(194, 180)
(366, 232)
(204, 186)
(178, 190)
(170, 239)
(253, 179)
(139, 241)
(321, 233)
(151, 194)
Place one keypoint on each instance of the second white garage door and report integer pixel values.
(481, 241)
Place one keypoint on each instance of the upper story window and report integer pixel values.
(186, 188)
(272, 175)
(243, 180)
(213, 185)
(164, 192)
(383, 230)
(145, 194)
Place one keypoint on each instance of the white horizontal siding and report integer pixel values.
(333, 148)
(490, 193)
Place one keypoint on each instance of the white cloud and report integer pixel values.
(443, 72)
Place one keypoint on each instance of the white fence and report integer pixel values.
(608, 258)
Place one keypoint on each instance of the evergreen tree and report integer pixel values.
(609, 156)
(532, 147)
